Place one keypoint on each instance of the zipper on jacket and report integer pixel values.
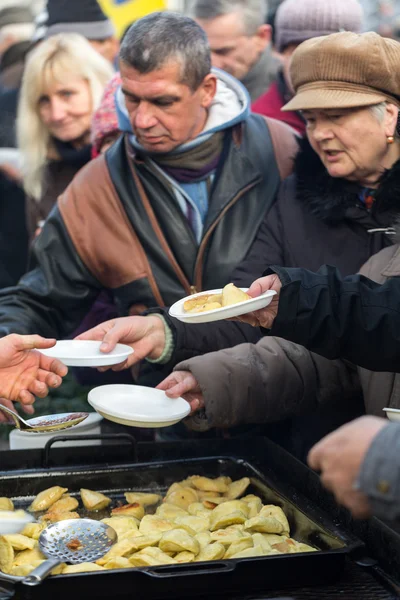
(198, 269)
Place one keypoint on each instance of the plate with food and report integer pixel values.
(86, 353)
(216, 305)
(137, 405)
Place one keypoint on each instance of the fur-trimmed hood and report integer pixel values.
(330, 198)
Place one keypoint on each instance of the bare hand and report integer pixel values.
(339, 457)
(265, 316)
(146, 335)
(183, 383)
(26, 373)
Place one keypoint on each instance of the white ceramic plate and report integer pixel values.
(218, 314)
(137, 406)
(393, 414)
(13, 522)
(82, 353)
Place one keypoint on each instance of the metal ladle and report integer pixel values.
(73, 541)
(49, 422)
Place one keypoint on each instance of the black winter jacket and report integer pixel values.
(352, 318)
(316, 219)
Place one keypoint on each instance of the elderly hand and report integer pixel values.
(265, 316)
(183, 383)
(25, 373)
(146, 335)
(339, 457)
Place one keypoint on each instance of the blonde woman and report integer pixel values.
(62, 85)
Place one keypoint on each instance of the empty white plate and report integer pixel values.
(393, 414)
(218, 314)
(83, 353)
(137, 406)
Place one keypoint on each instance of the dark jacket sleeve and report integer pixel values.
(53, 297)
(352, 318)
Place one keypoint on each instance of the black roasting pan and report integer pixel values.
(308, 524)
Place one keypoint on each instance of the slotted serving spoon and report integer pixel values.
(72, 541)
(46, 423)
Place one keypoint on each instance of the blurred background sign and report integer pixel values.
(124, 12)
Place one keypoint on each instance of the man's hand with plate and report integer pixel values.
(265, 316)
(184, 384)
(145, 335)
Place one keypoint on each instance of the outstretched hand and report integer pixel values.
(26, 373)
(183, 383)
(146, 335)
(265, 316)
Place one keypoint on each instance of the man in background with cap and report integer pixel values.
(85, 17)
(296, 22)
(239, 40)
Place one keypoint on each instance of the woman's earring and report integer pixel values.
(390, 139)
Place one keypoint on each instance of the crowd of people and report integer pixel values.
(200, 149)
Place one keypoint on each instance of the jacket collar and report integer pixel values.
(329, 198)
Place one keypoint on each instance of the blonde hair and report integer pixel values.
(67, 53)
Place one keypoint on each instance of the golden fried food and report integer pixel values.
(47, 498)
(94, 500)
(205, 302)
(233, 295)
(6, 504)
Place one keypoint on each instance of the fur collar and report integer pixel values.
(329, 198)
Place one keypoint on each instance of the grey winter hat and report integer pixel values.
(297, 21)
(78, 16)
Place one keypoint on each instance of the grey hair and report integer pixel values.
(159, 37)
(378, 111)
(253, 12)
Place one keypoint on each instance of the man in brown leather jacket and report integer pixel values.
(174, 204)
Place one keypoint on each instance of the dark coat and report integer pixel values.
(13, 234)
(353, 318)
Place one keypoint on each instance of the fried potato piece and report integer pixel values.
(24, 570)
(261, 524)
(134, 510)
(82, 568)
(193, 304)
(273, 538)
(206, 484)
(121, 548)
(212, 503)
(233, 295)
(270, 510)
(301, 547)
(170, 511)
(6, 555)
(47, 498)
(254, 507)
(55, 517)
(94, 501)
(204, 539)
(145, 541)
(151, 557)
(238, 546)
(28, 557)
(65, 504)
(229, 535)
(6, 503)
(20, 542)
(251, 552)
(154, 524)
(259, 539)
(178, 540)
(237, 488)
(119, 562)
(122, 525)
(196, 524)
(145, 499)
(197, 509)
(182, 497)
(33, 530)
(205, 307)
(185, 557)
(228, 513)
(214, 551)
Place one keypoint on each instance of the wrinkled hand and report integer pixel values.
(26, 373)
(183, 383)
(146, 335)
(265, 316)
(339, 457)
